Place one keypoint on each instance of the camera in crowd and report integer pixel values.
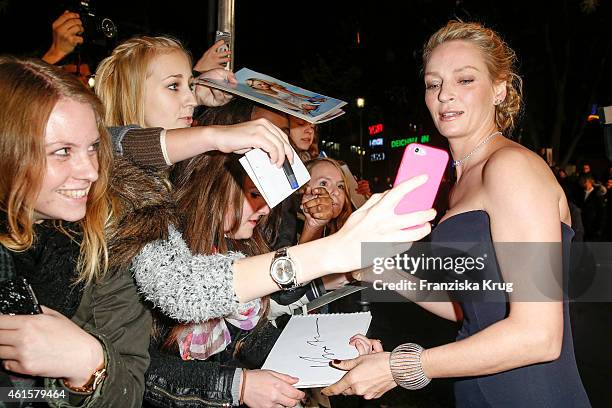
(98, 29)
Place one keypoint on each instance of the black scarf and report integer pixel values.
(50, 267)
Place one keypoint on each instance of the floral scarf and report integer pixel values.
(198, 341)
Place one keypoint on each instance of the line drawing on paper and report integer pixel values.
(326, 355)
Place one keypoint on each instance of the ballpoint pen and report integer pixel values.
(290, 175)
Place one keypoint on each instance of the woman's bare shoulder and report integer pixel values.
(514, 176)
(515, 160)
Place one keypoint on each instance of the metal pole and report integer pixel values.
(361, 143)
(225, 22)
(360, 106)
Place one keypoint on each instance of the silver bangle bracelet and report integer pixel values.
(406, 368)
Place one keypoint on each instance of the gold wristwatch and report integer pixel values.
(94, 382)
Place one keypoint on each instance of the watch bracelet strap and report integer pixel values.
(284, 252)
(97, 377)
(295, 282)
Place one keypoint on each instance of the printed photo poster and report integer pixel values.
(310, 106)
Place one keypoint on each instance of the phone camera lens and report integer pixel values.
(416, 150)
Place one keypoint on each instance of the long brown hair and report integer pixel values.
(206, 189)
(29, 90)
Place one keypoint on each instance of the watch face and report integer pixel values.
(282, 270)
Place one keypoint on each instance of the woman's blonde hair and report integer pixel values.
(120, 77)
(347, 209)
(29, 90)
(499, 58)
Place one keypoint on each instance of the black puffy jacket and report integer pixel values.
(174, 383)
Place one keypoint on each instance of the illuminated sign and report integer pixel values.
(377, 156)
(376, 142)
(406, 141)
(375, 129)
(403, 142)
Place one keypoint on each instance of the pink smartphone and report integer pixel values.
(417, 160)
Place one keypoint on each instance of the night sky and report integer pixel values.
(564, 52)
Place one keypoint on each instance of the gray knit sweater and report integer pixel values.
(187, 287)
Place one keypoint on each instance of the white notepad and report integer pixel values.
(308, 343)
(270, 180)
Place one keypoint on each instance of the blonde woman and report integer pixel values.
(514, 348)
(147, 82)
(325, 173)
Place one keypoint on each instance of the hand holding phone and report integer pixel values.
(417, 160)
(227, 38)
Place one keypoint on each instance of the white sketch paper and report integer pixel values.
(308, 343)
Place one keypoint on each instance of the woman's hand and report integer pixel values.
(49, 345)
(67, 34)
(212, 59)
(266, 388)
(208, 96)
(318, 211)
(363, 188)
(365, 345)
(360, 274)
(368, 375)
(377, 222)
(317, 207)
(258, 133)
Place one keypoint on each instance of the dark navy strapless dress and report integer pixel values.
(552, 384)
